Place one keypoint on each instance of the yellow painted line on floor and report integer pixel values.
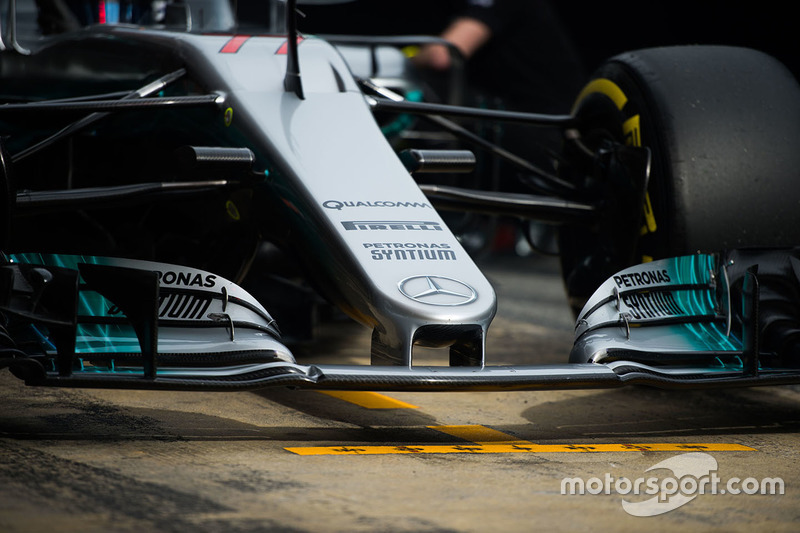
(370, 400)
(479, 434)
(518, 448)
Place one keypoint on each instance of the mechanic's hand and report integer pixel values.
(433, 56)
(466, 34)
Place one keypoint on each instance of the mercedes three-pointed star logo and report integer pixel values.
(437, 290)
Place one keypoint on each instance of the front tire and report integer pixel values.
(723, 126)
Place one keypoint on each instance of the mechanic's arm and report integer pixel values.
(465, 33)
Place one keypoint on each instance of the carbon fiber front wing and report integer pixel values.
(666, 324)
(426, 379)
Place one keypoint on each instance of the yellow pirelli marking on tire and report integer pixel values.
(650, 225)
(606, 87)
(517, 448)
(370, 400)
(631, 129)
(633, 137)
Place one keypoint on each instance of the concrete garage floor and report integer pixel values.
(283, 460)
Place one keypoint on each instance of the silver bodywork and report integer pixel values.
(332, 157)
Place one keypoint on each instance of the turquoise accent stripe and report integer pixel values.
(697, 269)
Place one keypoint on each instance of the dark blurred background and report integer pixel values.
(598, 29)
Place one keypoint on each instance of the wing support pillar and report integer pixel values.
(750, 316)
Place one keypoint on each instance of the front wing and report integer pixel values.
(700, 321)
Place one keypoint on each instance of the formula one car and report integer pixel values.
(157, 160)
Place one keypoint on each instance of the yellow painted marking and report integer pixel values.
(479, 434)
(481, 439)
(370, 400)
(518, 448)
